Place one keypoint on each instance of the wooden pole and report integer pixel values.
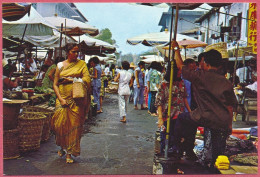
(60, 51)
(235, 66)
(171, 81)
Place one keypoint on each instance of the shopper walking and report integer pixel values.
(68, 119)
(124, 77)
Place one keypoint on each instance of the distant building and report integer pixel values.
(67, 10)
(184, 22)
(185, 26)
(225, 24)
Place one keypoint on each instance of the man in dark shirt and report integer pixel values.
(215, 99)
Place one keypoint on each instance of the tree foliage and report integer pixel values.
(106, 35)
(128, 57)
(150, 52)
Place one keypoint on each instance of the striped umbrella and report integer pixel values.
(15, 11)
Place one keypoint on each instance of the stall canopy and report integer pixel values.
(15, 11)
(186, 43)
(72, 27)
(153, 39)
(34, 25)
(151, 58)
(49, 40)
(91, 46)
(105, 58)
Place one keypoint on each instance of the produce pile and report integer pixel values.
(246, 158)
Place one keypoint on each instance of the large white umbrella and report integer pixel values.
(91, 46)
(151, 58)
(153, 39)
(72, 27)
(34, 25)
(90, 41)
(49, 40)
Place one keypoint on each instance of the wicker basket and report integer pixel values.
(10, 116)
(10, 144)
(79, 90)
(30, 126)
(221, 47)
(46, 127)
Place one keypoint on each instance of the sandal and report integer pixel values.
(61, 153)
(123, 121)
(69, 159)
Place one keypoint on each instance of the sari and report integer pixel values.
(67, 122)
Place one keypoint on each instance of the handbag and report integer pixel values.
(79, 90)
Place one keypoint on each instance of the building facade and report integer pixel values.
(225, 24)
(66, 10)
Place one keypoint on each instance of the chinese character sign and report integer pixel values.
(252, 28)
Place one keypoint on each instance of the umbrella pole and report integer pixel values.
(185, 51)
(171, 80)
(20, 45)
(235, 66)
(60, 39)
(19, 54)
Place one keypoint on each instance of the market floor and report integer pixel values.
(108, 147)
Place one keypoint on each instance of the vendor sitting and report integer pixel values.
(30, 64)
(7, 73)
(251, 89)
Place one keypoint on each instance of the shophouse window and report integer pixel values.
(235, 24)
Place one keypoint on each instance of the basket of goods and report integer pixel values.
(30, 92)
(10, 144)
(30, 127)
(48, 113)
(112, 87)
(221, 47)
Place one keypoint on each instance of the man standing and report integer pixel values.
(139, 85)
(215, 99)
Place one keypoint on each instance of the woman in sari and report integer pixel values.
(68, 119)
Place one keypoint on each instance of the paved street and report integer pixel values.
(107, 147)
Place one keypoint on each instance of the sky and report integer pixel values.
(124, 20)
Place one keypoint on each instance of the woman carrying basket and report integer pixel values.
(68, 119)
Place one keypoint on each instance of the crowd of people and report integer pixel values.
(201, 95)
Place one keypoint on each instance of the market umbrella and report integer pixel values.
(34, 25)
(186, 43)
(49, 40)
(91, 46)
(15, 11)
(72, 27)
(151, 58)
(153, 39)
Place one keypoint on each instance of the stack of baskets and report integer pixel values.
(10, 134)
(10, 144)
(30, 127)
(221, 47)
(48, 113)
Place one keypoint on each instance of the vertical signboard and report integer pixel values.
(252, 27)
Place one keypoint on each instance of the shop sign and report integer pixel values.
(252, 27)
